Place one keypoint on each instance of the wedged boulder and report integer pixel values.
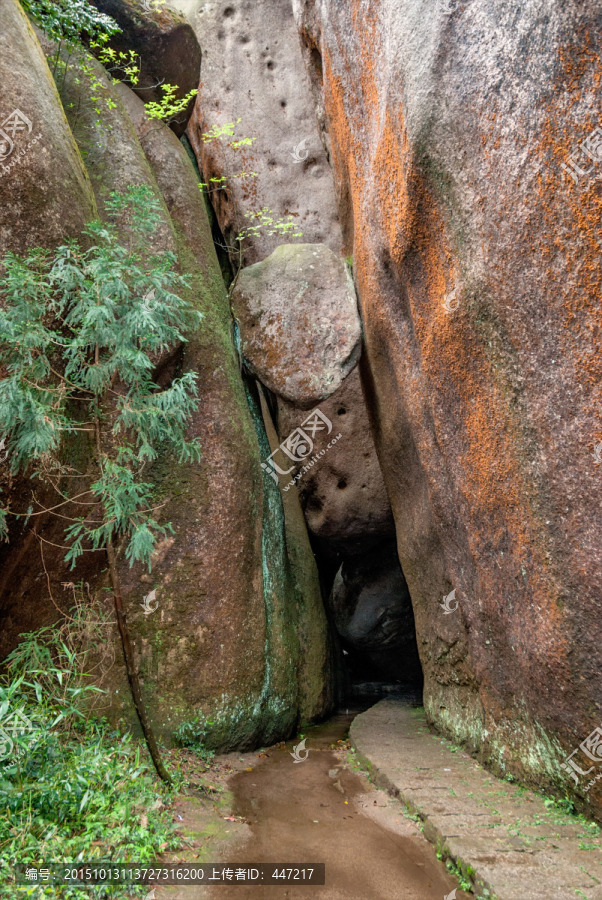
(240, 606)
(343, 494)
(45, 193)
(300, 329)
(253, 69)
(167, 46)
(467, 160)
(372, 611)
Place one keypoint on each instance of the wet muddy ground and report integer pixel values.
(321, 810)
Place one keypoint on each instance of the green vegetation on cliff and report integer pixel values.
(83, 331)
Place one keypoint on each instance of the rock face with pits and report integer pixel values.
(253, 70)
(299, 326)
(343, 495)
(349, 516)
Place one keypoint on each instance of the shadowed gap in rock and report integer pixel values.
(370, 613)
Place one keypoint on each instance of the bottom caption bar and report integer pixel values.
(180, 873)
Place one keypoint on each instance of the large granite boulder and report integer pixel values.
(166, 45)
(45, 193)
(235, 609)
(241, 604)
(253, 70)
(45, 197)
(299, 326)
(466, 155)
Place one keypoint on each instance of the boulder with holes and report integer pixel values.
(253, 69)
(347, 510)
(340, 483)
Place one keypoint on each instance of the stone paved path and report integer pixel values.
(505, 837)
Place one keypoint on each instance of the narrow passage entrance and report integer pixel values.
(371, 614)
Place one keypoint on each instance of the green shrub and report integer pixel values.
(72, 787)
(81, 331)
(65, 21)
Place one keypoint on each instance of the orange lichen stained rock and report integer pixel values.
(448, 136)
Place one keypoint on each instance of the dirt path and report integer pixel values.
(319, 810)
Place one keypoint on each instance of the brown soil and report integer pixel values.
(320, 810)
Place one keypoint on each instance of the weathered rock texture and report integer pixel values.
(235, 580)
(372, 610)
(236, 610)
(299, 326)
(45, 197)
(349, 516)
(343, 495)
(45, 193)
(448, 134)
(167, 49)
(253, 69)
(467, 175)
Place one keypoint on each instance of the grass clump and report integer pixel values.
(72, 787)
(192, 735)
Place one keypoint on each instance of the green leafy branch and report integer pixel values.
(217, 132)
(167, 108)
(79, 29)
(125, 63)
(221, 182)
(263, 220)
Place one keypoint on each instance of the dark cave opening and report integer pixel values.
(371, 617)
